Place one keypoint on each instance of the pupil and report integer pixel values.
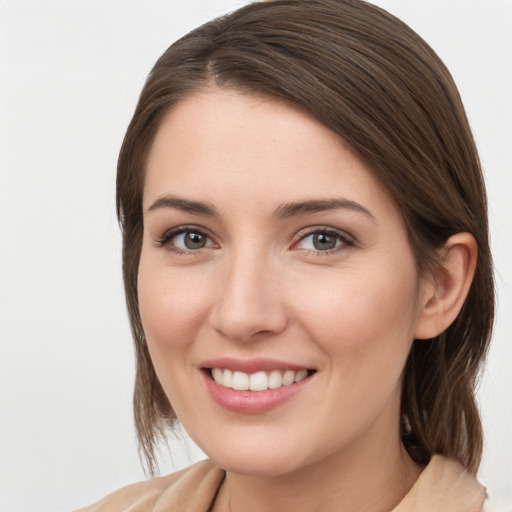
(323, 242)
(194, 241)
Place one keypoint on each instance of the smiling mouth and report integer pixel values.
(259, 381)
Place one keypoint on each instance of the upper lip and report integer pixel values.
(251, 365)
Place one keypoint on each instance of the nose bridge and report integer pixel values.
(250, 296)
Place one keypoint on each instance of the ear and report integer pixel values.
(444, 294)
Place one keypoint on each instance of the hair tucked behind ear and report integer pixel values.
(377, 84)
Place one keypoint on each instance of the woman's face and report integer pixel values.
(271, 254)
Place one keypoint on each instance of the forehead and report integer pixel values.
(221, 144)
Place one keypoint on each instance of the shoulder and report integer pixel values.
(193, 488)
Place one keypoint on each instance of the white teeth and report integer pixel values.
(288, 378)
(217, 375)
(275, 379)
(259, 381)
(301, 375)
(227, 379)
(240, 381)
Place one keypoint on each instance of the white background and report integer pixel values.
(70, 74)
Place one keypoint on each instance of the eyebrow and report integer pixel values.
(320, 205)
(184, 205)
(282, 212)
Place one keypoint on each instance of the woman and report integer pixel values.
(307, 266)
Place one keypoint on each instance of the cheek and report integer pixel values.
(172, 304)
(361, 315)
(364, 326)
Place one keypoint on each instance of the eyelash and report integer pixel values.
(345, 241)
(165, 240)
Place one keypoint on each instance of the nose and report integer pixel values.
(250, 301)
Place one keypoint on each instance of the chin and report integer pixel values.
(257, 464)
(250, 454)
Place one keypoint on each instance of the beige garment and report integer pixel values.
(444, 486)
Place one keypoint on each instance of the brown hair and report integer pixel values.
(372, 80)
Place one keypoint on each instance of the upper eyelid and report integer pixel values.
(168, 234)
(325, 229)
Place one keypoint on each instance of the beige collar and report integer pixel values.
(444, 486)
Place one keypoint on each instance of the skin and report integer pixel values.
(260, 288)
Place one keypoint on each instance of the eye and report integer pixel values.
(323, 241)
(185, 240)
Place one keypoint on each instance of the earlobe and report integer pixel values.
(444, 296)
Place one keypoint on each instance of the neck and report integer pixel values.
(372, 477)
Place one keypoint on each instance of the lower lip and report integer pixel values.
(251, 402)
